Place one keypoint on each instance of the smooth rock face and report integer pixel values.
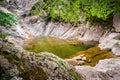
(63, 30)
(116, 22)
(111, 41)
(108, 69)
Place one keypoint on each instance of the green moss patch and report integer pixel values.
(7, 19)
(71, 72)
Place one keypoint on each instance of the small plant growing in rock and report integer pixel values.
(3, 36)
(7, 19)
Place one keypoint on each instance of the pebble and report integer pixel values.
(82, 55)
(84, 58)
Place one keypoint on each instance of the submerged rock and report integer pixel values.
(91, 56)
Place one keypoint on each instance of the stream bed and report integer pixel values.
(60, 47)
(67, 49)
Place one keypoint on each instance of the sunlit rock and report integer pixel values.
(107, 69)
(111, 42)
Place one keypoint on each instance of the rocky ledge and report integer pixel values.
(108, 69)
(18, 64)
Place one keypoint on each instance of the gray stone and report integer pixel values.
(116, 22)
(108, 69)
(16, 78)
(111, 42)
(80, 62)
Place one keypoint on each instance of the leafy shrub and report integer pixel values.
(96, 11)
(2, 0)
(100, 11)
(7, 19)
(62, 10)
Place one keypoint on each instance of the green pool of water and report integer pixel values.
(60, 47)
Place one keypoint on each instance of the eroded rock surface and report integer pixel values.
(111, 41)
(108, 69)
(31, 66)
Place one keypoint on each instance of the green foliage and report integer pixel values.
(5, 78)
(7, 19)
(3, 36)
(100, 11)
(2, 0)
(96, 11)
(62, 10)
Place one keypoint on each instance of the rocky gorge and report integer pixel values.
(19, 64)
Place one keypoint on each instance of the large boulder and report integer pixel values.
(111, 41)
(18, 64)
(108, 69)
